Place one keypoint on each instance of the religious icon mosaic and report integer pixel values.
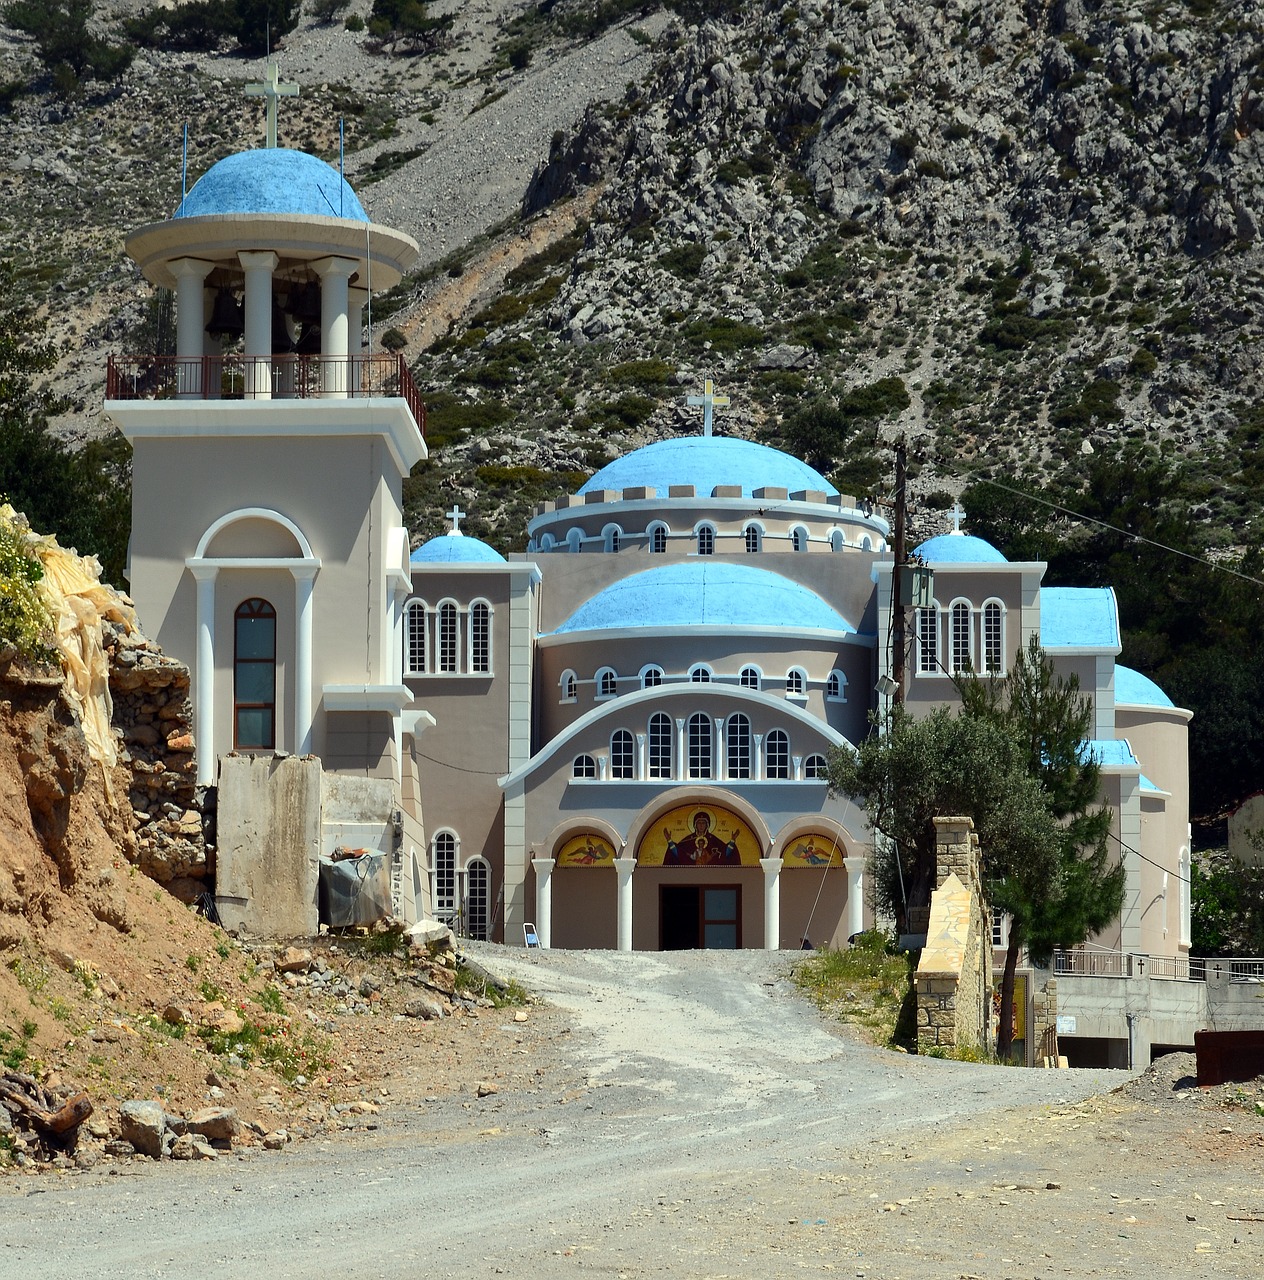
(813, 849)
(586, 850)
(696, 835)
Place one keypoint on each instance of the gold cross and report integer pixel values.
(709, 402)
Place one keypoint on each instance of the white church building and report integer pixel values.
(617, 737)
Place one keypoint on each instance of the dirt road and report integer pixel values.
(688, 1114)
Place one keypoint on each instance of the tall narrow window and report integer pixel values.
(660, 745)
(699, 745)
(799, 538)
(777, 755)
(444, 862)
(658, 539)
(749, 678)
(651, 677)
(254, 676)
(961, 637)
(738, 742)
(612, 538)
(836, 687)
(753, 539)
(993, 637)
(621, 757)
(928, 641)
(570, 686)
(796, 683)
(706, 540)
(607, 683)
(480, 637)
(837, 541)
(415, 638)
(478, 885)
(585, 767)
(574, 539)
(448, 630)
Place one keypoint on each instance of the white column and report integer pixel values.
(544, 900)
(190, 274)
(334, 274)
(642, 767)
(682, 754)
(855, 895)
(757, 758)
(356, 298)
(718, 771)
(258, 267)
(796, 766)
(772, 902)
(304, 579)
(204, 690)
(625, 867)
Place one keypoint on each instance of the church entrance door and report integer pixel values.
(693, 917)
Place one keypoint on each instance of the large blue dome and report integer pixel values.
(272, 180)
(958, 548)
(705, 462)
(455, 548)
(706, 593)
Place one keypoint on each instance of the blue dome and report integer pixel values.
(958, 548)
(706, 593)
(1134, 689)
(707, 461)
(455, 548)
(1079, 618)
(272, 180)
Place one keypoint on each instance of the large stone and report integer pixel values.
(431, 933)
(143, 1125)
(192, 1146)
(219, 1124)
(294, 960)
(423, 1007)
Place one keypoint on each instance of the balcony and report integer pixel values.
(282, 377)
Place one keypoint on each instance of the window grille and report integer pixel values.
(448, 631)
(752, 539)
(651, 677)
(699, 745)
(750, 678)
(480, 638)
(254, 676)
(478, 899)
(993, 637)
(660, 745)
(739, 746)
(700, 675)
(961, 638)
(777, 758)
(621, 755)
(795, 682)
(658, 540)
(814, 768)
(607, 684)
(585, 767)
(415, 638)
(928, 641)
(706, 541)
(444, 855)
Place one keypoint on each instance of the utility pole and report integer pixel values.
(897, 581)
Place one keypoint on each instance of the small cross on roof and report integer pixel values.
(957, 515)
(455, 515)
(272, 89)
(709, 402)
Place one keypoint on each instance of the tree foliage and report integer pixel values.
(69, 51)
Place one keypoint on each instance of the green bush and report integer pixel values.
(394, 340)
(684, 261)
(68, 50)
(354, 23)
(724, 334)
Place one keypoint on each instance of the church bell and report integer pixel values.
(228, 316)
(304, 303)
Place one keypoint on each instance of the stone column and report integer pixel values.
(204, 690)
(258, 267)
(544, 900)
(304, 579)
(757, 756)
(719, 769)
(334, 304)
(855, 895)
(642, 768)
(190, 274)
(772, 902)
(625, 867)
(682, 752)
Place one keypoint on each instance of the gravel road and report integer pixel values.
(692, 1116)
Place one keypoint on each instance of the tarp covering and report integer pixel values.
(355, 890)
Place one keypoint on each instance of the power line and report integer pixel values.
(1127, 533)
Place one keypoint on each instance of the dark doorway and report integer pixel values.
(693, 917)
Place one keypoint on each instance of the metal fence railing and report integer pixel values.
(1092, 963)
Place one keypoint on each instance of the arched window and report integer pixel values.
(660, 745)
(585, 766)
(478, 884)
(928, 641)
(651, 677)
(836, 687)
(700, 674)
(621, 757)
(993, 637)
(777, 754)
(754, 538)
(415, 647)
(254, 676)
(962, 656)
(738, 746)
(443, 871)
(658, 539)
(699, 745)
(480, 637)
(796, 683)
(569, 685)
(837, 541)
(750, 678)
(814, 768)
(866, 543)
(449, 633)
(547, 542)
(706, 540)
(607, 683)
(612, 535)
(574, 539)
(799, 538)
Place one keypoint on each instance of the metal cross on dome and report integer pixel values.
(709, 402)
(957, 515)
(272, 89)
(456, 515)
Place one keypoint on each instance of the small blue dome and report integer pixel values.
(1134, 689)
(705, 462)
(272, 180)
(455, 548)
(706, 593)
(958, 548)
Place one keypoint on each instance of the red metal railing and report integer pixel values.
(283, 377)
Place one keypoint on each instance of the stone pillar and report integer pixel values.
(334, 305)
(625, 867)
(190, 274)
(543, 868)
(204, 691)
(772, 902)
(258, 267)
(855, 895)
(304, 579)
